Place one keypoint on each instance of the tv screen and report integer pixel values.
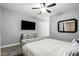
(27, 25)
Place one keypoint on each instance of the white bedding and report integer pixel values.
(46, 47)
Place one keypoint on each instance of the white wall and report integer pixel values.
(63, 16)
(11, 26)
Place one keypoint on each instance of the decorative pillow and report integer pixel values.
(73, 49)
(26, 36)
(75, 42)
(35, 35)
(24, 41)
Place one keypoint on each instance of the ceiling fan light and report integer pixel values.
(43, 9)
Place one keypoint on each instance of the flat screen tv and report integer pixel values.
(27, 25)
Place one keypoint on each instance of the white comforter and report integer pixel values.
(46, 47)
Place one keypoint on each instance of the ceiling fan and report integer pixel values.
(45, 7)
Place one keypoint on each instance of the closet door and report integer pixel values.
(44, 29)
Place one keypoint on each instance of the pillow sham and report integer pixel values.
(26, 36)
(73, 49)
(75, 42)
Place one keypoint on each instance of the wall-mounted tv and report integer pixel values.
(27, 25)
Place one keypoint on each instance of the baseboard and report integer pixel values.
(10, 45)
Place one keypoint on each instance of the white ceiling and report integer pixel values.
(26, 8)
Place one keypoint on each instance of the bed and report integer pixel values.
(46, 47)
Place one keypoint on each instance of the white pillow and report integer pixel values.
(73, 48)
(24, 41)
(26, 36)
(75, 42)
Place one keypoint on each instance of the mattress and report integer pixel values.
(45, 47)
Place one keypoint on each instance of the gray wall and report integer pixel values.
(11, 26)
(63, 16)
(0, 27)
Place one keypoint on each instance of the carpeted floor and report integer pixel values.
(12, 51)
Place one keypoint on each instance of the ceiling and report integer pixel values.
(26, 8)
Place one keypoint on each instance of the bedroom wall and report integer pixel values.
(74, 13)
(11, 26)
(0, 27)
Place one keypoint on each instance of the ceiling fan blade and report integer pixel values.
(51, 5)
(35, 8)
(48, 11)
(44, 4)
(40, 13)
